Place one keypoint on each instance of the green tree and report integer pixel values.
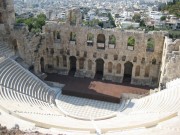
(34, 23)
(137, 18)
(142, 23)
(163, 18)
(173, 8)
(111, 19)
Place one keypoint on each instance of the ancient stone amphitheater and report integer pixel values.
(32, 105)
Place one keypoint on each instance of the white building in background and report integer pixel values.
(126, 24)
(155, 15)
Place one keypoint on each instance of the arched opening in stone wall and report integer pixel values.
(150, 45)
(90, 38)
(137, 72)
(89, 64)
(57, 61)
(112, 41)
(1, 18)
(72, 60)
(58, 35)
(99, 68)
(147, 70)
(127, 72)
(72, 36)
(101, 38)
(131, 43)
(110, 66)
(118, 68)
(15, 45)
(101, 41)
(42, 64)
(64, 61)
(81, 63)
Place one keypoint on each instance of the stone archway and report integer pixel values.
(101, 38)
(101, 41)
(99, 68)
(72, 69)
(42, 64)
(128, 66)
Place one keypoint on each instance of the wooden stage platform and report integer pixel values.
(94, 88)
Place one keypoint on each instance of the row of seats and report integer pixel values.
(164, 101)
(15, 77)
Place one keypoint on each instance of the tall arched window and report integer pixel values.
(110, 66)
(137, 72)
(150, 45)
(147, 70)
(90, 38)
(101, 41)
(81, 63)
(89, 64)
(72, 36)
(118, 68)
(112, 41)
(131, 43)
(64, 61)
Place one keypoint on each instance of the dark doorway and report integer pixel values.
(1, 18)
(72, 69)
(99, 68)
(42, 64)
(127, 72)
(15, 45)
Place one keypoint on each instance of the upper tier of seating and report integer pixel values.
(15, 77)
(167, 100)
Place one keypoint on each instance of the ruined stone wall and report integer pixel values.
(53, 49)
(170, 61)
(56, 52)
(7, 19)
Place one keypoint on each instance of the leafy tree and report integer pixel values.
(163, 18)
(137, 18)
(34, 23)
(142, 23)
(173, 8)
(111, 19)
